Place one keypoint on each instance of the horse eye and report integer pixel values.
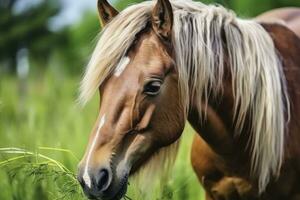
(152, 88)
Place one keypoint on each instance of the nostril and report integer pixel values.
(103, 180)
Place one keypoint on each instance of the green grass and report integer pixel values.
(50, 132)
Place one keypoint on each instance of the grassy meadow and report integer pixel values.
(43, 134)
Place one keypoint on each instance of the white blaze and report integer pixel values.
(122, 65)
(86, 176)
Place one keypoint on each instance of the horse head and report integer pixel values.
(140, 111)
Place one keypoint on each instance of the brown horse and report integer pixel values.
(206, 162)
(159, 64)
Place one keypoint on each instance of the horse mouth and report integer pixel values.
(122, 189)
(112, 195)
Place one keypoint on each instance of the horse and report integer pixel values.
(205, 161)
(159, 64)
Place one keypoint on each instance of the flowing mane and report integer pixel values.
(258, 82)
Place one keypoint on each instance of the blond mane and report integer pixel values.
(258, 82)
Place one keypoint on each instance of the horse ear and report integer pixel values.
(106, 12)
(162, 19)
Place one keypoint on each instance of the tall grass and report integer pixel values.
(43, 135)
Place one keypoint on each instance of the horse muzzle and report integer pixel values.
(102, 185)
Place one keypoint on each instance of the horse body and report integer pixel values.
(158, 64)
(213, 169)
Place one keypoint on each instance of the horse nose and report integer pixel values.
(95, 184)
(102, 180)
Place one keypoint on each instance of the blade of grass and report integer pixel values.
(60, 150)
(26, 153)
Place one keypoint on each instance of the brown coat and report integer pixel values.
(216, 175)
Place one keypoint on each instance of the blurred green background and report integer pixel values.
(44, 47)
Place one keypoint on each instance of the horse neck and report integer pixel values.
(212, 129)
(216, 126)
